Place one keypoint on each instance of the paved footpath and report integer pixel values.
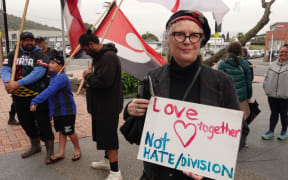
(262, 160)
(13, 138)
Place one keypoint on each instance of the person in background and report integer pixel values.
(62, 108)
(30, 80)
(245, 57)
(104, 100)
(238, 69)
(186, 32)
(276, 88)
(40, 41)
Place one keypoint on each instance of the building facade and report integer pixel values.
(53, 38)
(276, 37)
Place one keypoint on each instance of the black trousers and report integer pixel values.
(36, 124)
(278, 106)
(12, 109)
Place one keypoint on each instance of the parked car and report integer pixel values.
(258, 53)
(68, 49)
(252, 54)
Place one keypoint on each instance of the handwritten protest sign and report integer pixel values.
(191, 137)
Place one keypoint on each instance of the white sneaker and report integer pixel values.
(114, 175)
(104, 164)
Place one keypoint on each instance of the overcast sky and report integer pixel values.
(151, 17)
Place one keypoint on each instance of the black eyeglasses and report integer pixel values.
(181, 37)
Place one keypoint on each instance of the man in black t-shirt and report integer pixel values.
(51, 53)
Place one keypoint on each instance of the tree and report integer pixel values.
(223, 36)
(86, 25)
(240, 35)
(227, 37)
(149, 36)
(250, 34)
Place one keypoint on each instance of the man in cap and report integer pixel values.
(104, 100)
(40, 41)
(30, 80)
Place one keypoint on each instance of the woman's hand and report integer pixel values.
(192, 175)
(33, 107)
(137, 107)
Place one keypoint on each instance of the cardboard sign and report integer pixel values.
(192, 137)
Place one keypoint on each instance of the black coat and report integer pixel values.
(104, 92)
(216, 89)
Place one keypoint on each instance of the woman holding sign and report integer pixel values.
(183, 78)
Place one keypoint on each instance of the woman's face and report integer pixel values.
(184, 53)
(283, 54)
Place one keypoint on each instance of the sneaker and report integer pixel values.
(268, 135)
(13, 121)
(104, 164)
(282, 136)
(114, 175)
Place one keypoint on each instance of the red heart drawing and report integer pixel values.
(188, 130)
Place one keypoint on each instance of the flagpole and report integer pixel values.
(271, 49)
(5, 26)
(63, 35)
(18, 41)
(78, 47)
(1, 51)
(105, 33)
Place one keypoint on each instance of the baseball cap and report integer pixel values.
(26, 35)
(39, 39)
(58, 59)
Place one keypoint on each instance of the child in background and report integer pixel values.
(61, 107)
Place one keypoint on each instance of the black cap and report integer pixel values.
(39, 39)
(26, 35)
(195, 16)
(58, 59)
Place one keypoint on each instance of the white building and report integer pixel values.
(53, 38)
(217, 43)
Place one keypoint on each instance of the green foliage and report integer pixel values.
(258, 40)
(14, 24)
(257, 47)
(130, 83)
(149, 36)
(86, 25)
(227, 37)
(240, 35)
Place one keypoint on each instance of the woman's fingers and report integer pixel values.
(192, 175)
(138, 107)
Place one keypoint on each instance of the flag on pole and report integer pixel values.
(73, 21)
(218, 7)
(136, 56)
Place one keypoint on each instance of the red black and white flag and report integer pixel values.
(136, 56)
(73, 20)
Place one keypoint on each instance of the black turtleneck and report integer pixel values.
(180, 79)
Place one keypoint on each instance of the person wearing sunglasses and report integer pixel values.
(186, 32)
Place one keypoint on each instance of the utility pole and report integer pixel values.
(5, 26)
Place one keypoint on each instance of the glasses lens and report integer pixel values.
(179, 36)
(195, 37)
